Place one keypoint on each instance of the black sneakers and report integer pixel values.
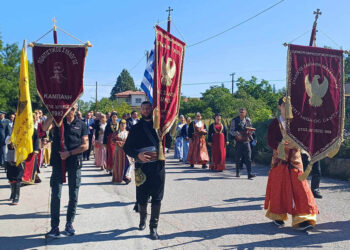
(54, 233)
(305, 226)
(279, 223)
(69, 229)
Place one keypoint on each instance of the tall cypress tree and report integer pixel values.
(124, 82)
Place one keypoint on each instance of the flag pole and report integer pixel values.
(169, 17)
(63, 163)
(314, 30)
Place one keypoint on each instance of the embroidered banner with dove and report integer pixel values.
(315, 100)
(169, 58)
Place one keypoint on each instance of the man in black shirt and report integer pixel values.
(142, 144)
(75, 143)
(238, 129)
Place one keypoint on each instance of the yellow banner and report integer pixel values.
(23, 127)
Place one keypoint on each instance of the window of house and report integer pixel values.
(138, 100)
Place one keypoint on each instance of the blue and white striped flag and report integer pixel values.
(147, 81)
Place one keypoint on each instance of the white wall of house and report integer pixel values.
(136, 100)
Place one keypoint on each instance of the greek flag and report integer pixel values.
(147, 81)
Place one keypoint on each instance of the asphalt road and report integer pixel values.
(200, 210)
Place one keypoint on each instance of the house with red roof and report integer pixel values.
(133, 98)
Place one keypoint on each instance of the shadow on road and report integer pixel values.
(38, 240)
(296, 239)
(246, 199)
(321, 234)
(105, 204)
(215, 209)
(24, 216)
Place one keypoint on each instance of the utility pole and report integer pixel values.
(233, 81)
(169, 17)
(96, 99)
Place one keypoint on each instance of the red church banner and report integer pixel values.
(169, 58)
(59, 72)
(315, 97)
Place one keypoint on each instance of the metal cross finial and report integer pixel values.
(169, 10)
(317, 12)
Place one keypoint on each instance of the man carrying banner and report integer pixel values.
(142, 145)
(75, 143)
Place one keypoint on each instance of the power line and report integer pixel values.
(189, 84)
(235, 26)
(220, 33)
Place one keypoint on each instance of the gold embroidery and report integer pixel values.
(315, 90)
(168, 72)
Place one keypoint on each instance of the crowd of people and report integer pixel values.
(191, 143)
(118, 149)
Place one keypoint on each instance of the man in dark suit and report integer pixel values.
(132, 120)
(5, 130)
(89, 122)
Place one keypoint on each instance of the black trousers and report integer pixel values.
(86, 154)
(243, 154)
(315, 172)
(14, 173)
(154, 184)
(74, 179)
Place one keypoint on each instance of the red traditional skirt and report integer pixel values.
(30, 169)
(110, 152)
(285, 193)
(197, 153)
(218, 152)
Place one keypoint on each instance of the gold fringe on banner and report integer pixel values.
(288, 105)
(173, 128)
(161, 155)
(156, 120)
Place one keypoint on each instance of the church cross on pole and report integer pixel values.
(169, 17)
(317, 12)
(314, 30)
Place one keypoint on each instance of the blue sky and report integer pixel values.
(121, 31)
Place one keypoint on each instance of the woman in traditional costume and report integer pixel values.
(121, 162)
(100, 150)
(179, 139)
(109, 139)
(198, 152)
(186, 139)
(285, 193)
(217, 139)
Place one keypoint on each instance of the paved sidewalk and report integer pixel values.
(201, 210)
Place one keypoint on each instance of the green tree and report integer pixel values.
(190, 106)
(124, 82)
(260, 91)
(9, 79)
(108, 105)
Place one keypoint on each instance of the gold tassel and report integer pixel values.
(288, 105)
(306, 173)
(161, 156)
(173, 128)
(156, 119)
